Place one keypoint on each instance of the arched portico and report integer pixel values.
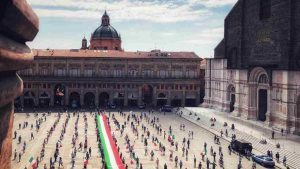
(103, 99)
(147, 94)
(132, 98)
(74, 100)
(190, 100)
(259, 95)
(59, 95)
(176, 101)
(89, 99)
(29, 97)
(44, 99)
(161, 99)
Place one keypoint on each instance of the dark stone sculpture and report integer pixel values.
(18, 24)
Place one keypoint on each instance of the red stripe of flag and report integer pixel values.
(113, 145)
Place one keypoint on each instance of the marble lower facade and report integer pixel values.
(269, 96)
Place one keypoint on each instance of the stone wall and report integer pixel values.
(283, 94)
(18, 24)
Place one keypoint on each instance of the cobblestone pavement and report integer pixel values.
(201, 135)
(34, 146)
(248, 131)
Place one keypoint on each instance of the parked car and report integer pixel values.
(142, 106)
(264, 160)
(241, 146)
(166, 108)
(112, 106)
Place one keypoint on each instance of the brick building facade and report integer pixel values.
(255, 73)
(99, 74)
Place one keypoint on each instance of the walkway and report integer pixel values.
(250, 131)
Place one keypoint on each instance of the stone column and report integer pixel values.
(36, 92)
(97, 96)
(198, 96)
(52, 95)
(268, 114)
(183, 97)
(154, 96)
(111, 96)
(18, 25)
(81, 96)
(67, 95)
(22, 100)
(140, 95)
(252, 101)
(126, 96)
(169, 96)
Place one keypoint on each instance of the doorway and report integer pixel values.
(262, 104)
(232, 102)
(103, 99)
(147, 93)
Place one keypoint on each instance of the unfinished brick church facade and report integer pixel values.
(255, 73)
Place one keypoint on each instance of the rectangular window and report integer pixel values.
(75, 72)
(162, 73)
(265, 9)
(59, 72)
(117, 73)
(132, 73)
(177, 73)
(43, 71)
(88, 72)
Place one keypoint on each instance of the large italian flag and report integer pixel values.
(111, 154)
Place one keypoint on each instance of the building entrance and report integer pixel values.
(103, 99)
(232, 102)
(147, 93)
(262, 104)
(74, 100)
(59, 95)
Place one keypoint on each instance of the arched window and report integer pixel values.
(265, 9)
(263, 79)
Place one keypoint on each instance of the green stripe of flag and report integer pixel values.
(106, 155)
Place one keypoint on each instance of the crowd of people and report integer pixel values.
(144, 128)
(159, 142)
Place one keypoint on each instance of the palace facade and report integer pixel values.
(102, 73)
(255, 73)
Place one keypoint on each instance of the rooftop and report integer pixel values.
(76, 53)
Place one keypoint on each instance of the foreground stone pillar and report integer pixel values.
(18, 24)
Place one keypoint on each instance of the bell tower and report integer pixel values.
(84, 43)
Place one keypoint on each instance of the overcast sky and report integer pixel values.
(169, 25)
